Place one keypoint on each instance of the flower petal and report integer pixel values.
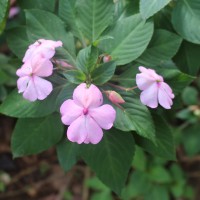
(104, 116)
(165, 96)
(70, 111)
(22, 83)
(94, 132)
(77, 131)
(41, 67)
(30, 93)
(25, 70)
(143, 81)
(87, 97)
(149, 96)
(43, 87)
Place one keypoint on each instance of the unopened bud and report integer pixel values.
(107, 58)
(114, 97)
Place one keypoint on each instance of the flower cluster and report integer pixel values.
(37, 64)
(85, 113)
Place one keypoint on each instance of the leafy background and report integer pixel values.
(160, 34)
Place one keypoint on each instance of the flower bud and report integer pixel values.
(114, 97)
(107, 58)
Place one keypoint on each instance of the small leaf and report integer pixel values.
(4, 5)
(75, 76)
(189, 28)
(131, 37)
(150, 7)
(111, 158)
(103, 73)
(32, 136)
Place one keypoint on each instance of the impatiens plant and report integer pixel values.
(97, 78)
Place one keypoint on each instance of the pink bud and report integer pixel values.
(107, 58)
(114, 97)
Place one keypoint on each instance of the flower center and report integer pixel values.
(85, 111)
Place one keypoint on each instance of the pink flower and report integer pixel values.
(154, 89)
(30, 82)
(86, 115)
(42, 47)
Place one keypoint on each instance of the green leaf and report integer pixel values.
(164, 146)
(32, 136)
(162, 47)
(111, 158)
(18, 41)
(135, 116)
(191, 139)
(4, 5)
(16, 106)
(3, 77)
(75, 76)
(186, 19)
(103, 73)
(94, 17)
(131, 37)
(187, 58)
(190, 96)
(87, 59)
(48, 5)
(150, 7)
(43, 24)
(67, 153)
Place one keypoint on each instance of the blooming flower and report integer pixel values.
(42, 47)
(154, 89)
(86, 115)
(30, 82)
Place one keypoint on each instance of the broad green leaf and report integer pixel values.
(43, 24)
(16, 106)
(94, 16)
(87, 59)
(162, 47)
(187, 58)
(111, 158)
(75, 76)
(67, 153)
(33, 136)
(150, 7)
(3, 76)
(103, 73)
(135, 116)
(48, 5)
(190, 96)
(131, 37)
(4, 5)
(164, 146)
(186, 19)
(68, 13)
(18, 41)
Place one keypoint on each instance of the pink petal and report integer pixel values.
(143, 81)
(25, 70)
(22, 83)
(77, 131)
(94, 132)
(149, 96)
(30, 93)
(104, 116)
(165, 96)
(43, 87)
(87, 97)
(41, 67)
(30, 52)
(70, 112)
